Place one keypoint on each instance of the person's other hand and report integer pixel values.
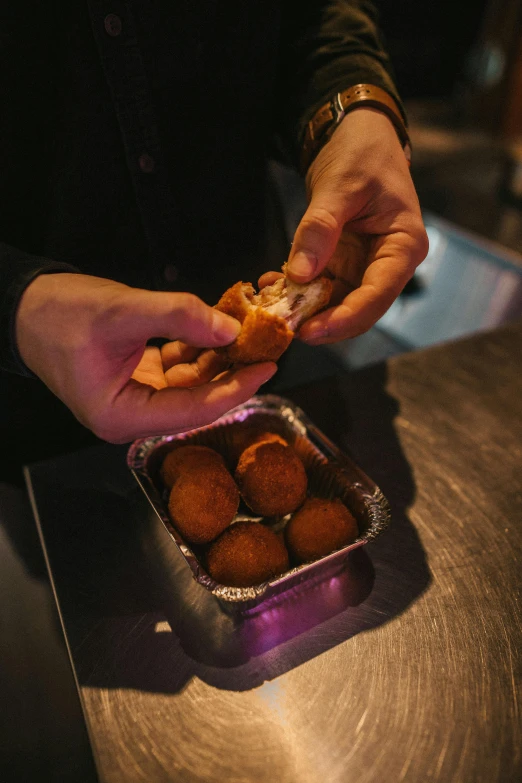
(86, 338)
(363, 224)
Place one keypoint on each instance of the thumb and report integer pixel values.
(178, 316)
(316, 237)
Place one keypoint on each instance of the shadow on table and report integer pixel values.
(124, 633)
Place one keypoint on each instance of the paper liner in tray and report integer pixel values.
(331, 473)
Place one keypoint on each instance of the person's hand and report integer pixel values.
(363, 224)
(86, 338)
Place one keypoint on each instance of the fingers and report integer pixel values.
(350, 259)
(150, 369)
(177, 352)
(395, 258)
(178, 365)
(185, 365)
(269, 278)
(140, 410)
(176, 316)
(316, 236)
(202, 370)
(359, 179)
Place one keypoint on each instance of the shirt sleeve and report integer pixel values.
(17, 270)
(326, 46)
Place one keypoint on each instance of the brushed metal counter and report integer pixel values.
(416, 676)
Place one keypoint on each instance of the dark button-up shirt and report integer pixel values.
(135, 135)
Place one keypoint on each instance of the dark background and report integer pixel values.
(430, 41)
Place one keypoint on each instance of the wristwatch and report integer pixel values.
(322, 125)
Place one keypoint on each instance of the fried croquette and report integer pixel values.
(318, 528)
(186, 458)
(243, 434)
(246, 554)
(262, 436)
(271, 477)
(203, 501)
(270, 319)
(263, 336)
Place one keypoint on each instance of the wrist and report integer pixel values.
(327, 119)
(21, 303)
(28, 314)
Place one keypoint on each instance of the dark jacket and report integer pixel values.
(135, 135)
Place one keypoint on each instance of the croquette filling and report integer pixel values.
(287, 299)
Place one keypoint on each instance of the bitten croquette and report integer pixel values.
(270, 318)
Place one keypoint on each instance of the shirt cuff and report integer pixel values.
(10, 358)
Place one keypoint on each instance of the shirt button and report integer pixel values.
(170, 273)
(112, 24)
(146, 163)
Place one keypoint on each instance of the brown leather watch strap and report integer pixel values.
(320, 128)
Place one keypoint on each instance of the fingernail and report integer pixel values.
(225, 328)
(303, 264)
(313, 331)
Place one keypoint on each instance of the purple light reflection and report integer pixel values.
(306, 606)
(226, 640)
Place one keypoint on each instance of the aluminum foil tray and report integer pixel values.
(331, 473)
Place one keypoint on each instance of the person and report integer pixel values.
(136, 138)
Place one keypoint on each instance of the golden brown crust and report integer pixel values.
(184, 459)
(266, 437)
(203, 502)
(243, 434)
(236, 301)
(266, 335)
(319, 527)
(246, 554)
(263, 338)
(271, 478)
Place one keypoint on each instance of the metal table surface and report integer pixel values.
(406, 669)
